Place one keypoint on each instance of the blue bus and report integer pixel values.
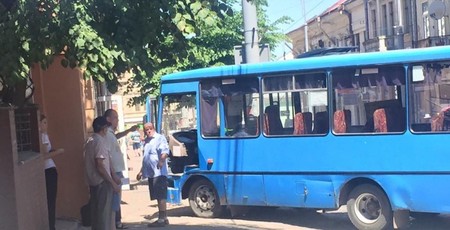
(366, 130)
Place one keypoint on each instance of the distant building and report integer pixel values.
(129, 115)
(376, 25)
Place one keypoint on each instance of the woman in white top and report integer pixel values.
(51, 175)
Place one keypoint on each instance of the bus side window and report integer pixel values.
(292, 102)
(430, 97)
(369, 100)
(230, 107)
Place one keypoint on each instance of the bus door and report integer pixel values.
(230, 129)
(179, 125)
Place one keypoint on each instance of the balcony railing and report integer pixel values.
(373, 44)
(434, 41)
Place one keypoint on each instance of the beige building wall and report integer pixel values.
(378, 31)
(432, 31)
(132, 114)
(356, 8)
(330, 28)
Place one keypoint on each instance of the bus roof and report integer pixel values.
(314, 63)
(328, 51)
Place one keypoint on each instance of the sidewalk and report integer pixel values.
(135, 206)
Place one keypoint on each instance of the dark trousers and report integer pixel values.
(101, 206)
(51, 182)
(118, 216)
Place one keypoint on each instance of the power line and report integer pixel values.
(317, 5)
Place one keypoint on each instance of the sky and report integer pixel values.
(294, 9)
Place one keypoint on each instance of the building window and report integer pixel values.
(390, 24)
(441, 27)
(406, 15)
(426, 20)
(384, 20)
(137, 107)
(374, 23)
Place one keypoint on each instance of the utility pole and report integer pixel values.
(251, 43)
(306, 27)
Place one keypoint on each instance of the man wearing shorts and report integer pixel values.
(154, 167)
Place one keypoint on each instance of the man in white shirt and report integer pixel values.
(117, 157)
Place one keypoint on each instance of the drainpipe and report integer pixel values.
(414, 32)
(366, 17)
(350, 26)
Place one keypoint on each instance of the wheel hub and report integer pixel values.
(205, 198)
(368, 208)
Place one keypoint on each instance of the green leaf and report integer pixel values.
(26, 46)
(196, 6)
(94, 57)
(80, 43)
(181, 25)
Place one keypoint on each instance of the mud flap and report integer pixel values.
(401, 219)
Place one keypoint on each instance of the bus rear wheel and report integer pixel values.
(368, 208)
(204, 200)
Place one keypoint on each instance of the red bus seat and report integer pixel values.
(299, 124)
(339, 123)
(380, 121)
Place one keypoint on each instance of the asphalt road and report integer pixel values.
(138, 211)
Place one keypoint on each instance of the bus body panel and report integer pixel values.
(424, 193)
(245, 190)
(401, 154)
(175, 87)
(300, 191)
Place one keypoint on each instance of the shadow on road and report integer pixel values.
(279, 218)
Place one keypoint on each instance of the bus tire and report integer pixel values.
(204, 200)
(368, 208)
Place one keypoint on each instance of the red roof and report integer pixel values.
(333, 7)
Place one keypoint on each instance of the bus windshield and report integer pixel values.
(179, 113)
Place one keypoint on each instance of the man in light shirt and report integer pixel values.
(100, 177)
(154, 167)
(117, 157)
